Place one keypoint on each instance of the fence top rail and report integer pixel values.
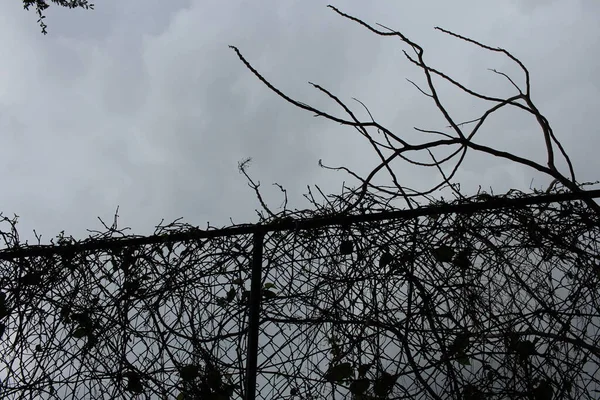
(289, 223)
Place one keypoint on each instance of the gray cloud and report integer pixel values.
(147, 108)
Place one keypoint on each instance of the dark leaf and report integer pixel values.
(525, 348)
(459, 345)
(230, 295)
(229, 389)
(3, 306)
(91, 340)
(131, 286)
(32, 278)
(360, 386)
(128, 260)
(83, 318)
(385, 259)
(544, 391)
(134, 382)
(363, 369)
(189, 372)
(339, 372)
(267, 294)
(346, 247)
(221, 302)
(568, 385)
(407, 257)
(335, 349)
(65, 313)
(443, 253)
(384, 384)
(472, 392)
(67, 261)
(462, 359)
(80, 332)
(213, 378)
(462, 260)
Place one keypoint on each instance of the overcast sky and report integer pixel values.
(143, 105)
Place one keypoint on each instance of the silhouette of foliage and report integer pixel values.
(477, 297)
(42, 5)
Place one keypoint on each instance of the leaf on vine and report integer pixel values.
(189, 372)
(384, 384)
(336, 352)
(269, 285)
(407, 257)
(462, 359)
(525, 348)
(346, 247)
(221, 302)
(82, 317)
(80, 332)
(444, 253)
(31, 279)
(229, 389)
(268, 294)
(385, 259)
(128, 260)
(131, 286)
(3, 307)
(134, 382)
(363, 369)
(339, 372)
(230, 295)
(544, 391)
(360, 386)
(213, 378)
(460, 344)
(65, 313)
(462, 260)
(472, 392)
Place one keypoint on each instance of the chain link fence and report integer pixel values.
(443, 303)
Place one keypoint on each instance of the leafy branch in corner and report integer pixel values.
(42, 5)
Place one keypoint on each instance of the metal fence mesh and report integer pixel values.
(501, 304)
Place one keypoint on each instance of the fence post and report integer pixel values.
(254, 317)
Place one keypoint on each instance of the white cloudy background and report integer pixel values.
(142, 104)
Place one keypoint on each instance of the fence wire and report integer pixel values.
(493, 304)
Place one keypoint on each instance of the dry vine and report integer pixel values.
(487, 305)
